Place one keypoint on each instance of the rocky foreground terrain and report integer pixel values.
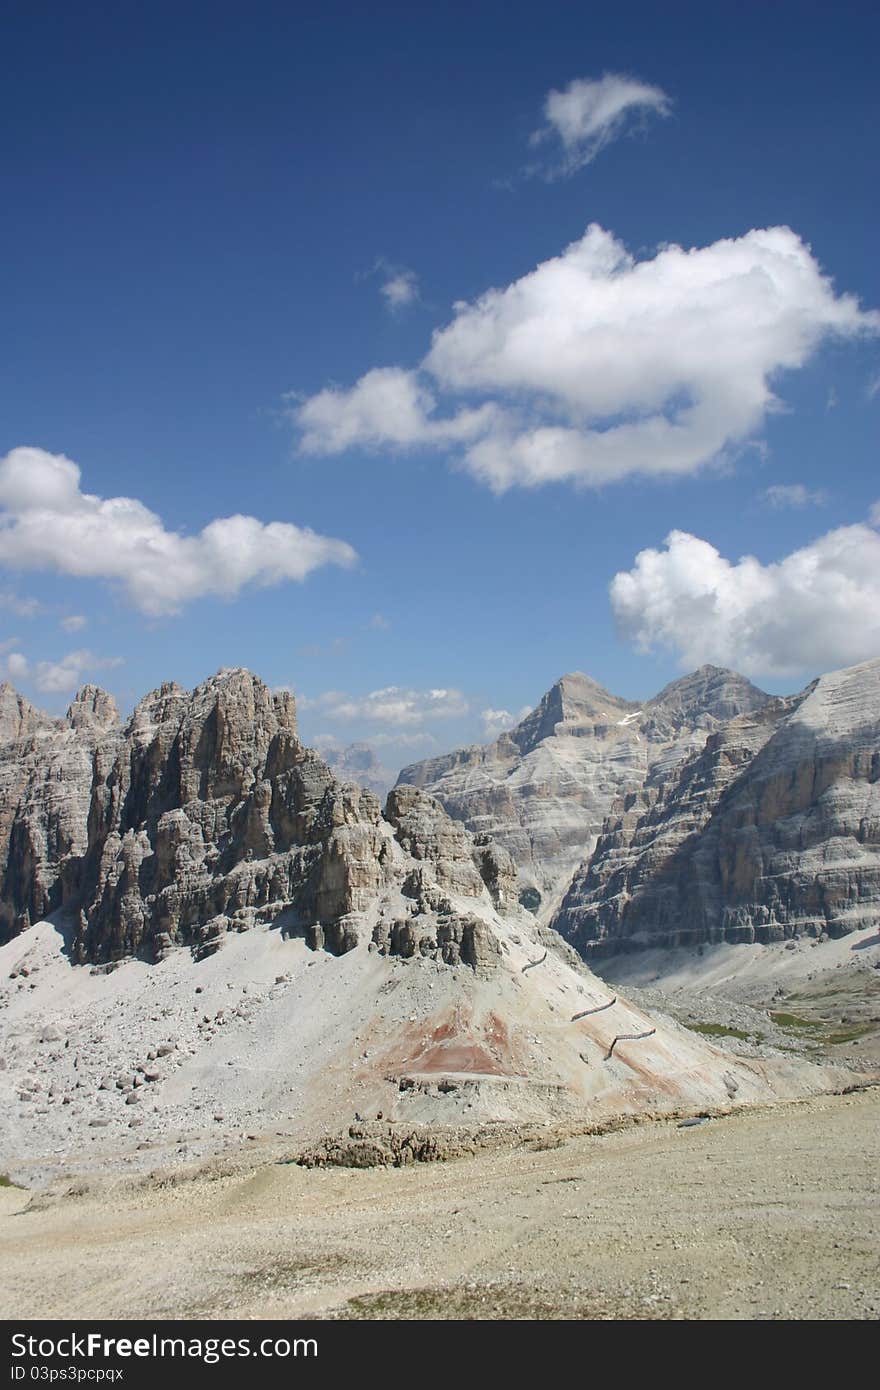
(208, 936)
(768, 1213)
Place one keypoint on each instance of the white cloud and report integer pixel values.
(815, 609)
(60, 676)
(595, 366)
(783, 495)
(395, 704)
(874, 387)
(400, 289)
(14, 664)
(499, 721)
(589, 113)
(21, 607)
(386, 407)
(399, 285)
(420, 740)
(496, 721)
(324, 742)
(48, 523)
(75, 623)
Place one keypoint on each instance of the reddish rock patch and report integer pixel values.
(454, 1042)
(460, 1057)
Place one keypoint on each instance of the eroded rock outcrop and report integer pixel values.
(204, 813)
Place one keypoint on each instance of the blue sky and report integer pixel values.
(218, 220)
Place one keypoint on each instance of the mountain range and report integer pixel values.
(713, 812)
(205, 932)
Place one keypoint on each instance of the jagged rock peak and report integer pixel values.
(573, 705)
(92, 707)
(18, 717)
(231, 685)
(204, 814)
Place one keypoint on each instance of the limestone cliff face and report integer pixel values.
(204, 813)
(45, 788)
(771, 830)
(543, 790)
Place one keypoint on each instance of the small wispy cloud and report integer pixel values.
(500, 721)
(399, 285)
(13, 664)
(401, 290)
(394, 704)
(74, 623)
(589, 113)
(335, 647)
(792, 495)
(21, 607)
(58, 677)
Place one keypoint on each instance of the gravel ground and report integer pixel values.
(768, 1213)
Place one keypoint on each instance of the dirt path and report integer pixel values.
(772, 1213)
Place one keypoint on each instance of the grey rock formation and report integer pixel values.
(725, 815)
(19, 719)
(204, 813)
(543, 790)
(772, 830)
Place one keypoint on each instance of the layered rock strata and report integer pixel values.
(543, 790)
(771, 831)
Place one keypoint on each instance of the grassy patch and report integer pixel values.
(718, 1030)
(823, 1030)
(783, 1020)
(6, 1181)
(850, 1032)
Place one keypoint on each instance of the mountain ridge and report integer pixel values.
(544, 789)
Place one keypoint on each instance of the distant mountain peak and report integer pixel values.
(573, 703)
(544, 789)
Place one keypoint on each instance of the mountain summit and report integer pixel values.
(544, 789)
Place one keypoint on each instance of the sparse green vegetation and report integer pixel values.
(783, 1020)
(850, 1033)
(721, 1030)
(6, 1181)
(823, 1030)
